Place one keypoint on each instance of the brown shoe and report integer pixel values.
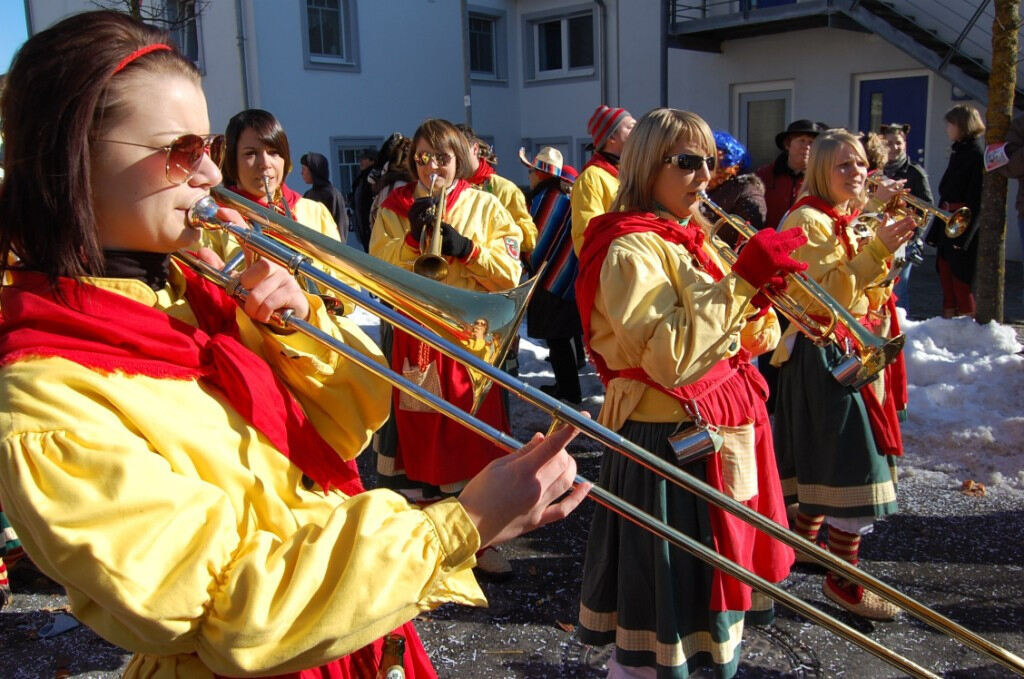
(859, 601)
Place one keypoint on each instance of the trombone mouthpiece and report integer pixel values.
(203, 213)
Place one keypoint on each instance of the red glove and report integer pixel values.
(766, 256)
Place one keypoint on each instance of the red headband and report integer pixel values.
(142, 51)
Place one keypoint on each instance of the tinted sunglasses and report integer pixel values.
(424, 157)
(185, 154)
(688, 161)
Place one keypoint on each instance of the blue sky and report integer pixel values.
(13, 33)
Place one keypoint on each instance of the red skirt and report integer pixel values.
(432, 448)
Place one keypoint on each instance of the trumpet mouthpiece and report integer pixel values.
(202, 213)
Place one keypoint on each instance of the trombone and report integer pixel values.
(865, 356)
(385, 280)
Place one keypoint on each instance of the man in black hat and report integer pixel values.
(783, 177)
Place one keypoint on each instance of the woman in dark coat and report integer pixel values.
(960, 185)
(316, 171)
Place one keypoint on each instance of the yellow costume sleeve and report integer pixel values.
(513, 200)
(661, 313)
(162, 563)
(593, 193)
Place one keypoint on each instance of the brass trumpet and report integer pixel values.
(956, 222)
(865, 355)
(431, 264)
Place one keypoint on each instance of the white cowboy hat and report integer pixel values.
(548, 159)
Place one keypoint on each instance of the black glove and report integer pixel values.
(421, 215)
(453, 243)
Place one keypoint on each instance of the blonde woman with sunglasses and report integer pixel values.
(180, 468)
(671, 331)
(480, 242)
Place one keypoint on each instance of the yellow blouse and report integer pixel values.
(593, 194)
(655, 309)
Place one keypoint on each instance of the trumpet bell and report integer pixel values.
(958, 222)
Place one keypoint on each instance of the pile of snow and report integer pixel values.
(966, 414)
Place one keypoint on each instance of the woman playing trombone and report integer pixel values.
(837, 445)
(671, 332)
(175, 464)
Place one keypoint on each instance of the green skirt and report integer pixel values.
(648, 598)
(828, 460)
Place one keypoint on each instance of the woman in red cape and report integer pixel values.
(182, 468)
(671, 331)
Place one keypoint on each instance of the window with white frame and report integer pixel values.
(761, 115)
(329, 33)
(560, 45)
(186, 31)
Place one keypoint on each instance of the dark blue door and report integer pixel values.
(897, 100)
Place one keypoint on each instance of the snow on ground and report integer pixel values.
(965, 414)
(966, 391)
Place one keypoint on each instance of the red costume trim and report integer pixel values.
(483, 172)
(400, 200)
(290, 197)
(601, 161)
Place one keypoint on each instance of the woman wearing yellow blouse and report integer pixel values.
(481, 243)
(178, 467)
(672, 332)
(836, 446)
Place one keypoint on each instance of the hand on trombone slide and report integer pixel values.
(520, 491)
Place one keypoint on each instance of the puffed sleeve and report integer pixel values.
(390, 240)
(494, 263)
(590, 195)
(325, 382)
(665, 316)
(160, 562)
(515, 202)
(844, 279)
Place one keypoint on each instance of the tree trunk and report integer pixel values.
(991, 270)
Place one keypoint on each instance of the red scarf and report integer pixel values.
(601, 232)
(883, 415)
(290, 197)
(839, 222)
(400, 200)
(483, 172)
(600, 160)
(108, 332)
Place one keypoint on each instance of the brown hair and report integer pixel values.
(967, 120)
(61, 94)
(876, 149)
(443, 137)
(818, 175)
(270, 132)
(646, 147)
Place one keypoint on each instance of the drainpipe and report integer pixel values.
(604, 51)
(663, 55)
(467, 84)
(243, 59)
